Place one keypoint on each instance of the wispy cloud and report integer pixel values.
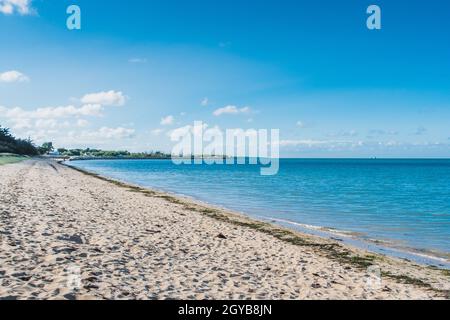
(82, 123)
(231, 110)
(380, 132)
(300, 124)
(13, 76)
(343, 133)
(137, 60)
(109, 133)
(306, 142)
(22, 7)
(51, 112)
(205, 102)
(374, 147)
(420, 131)
(156, 132)
(105, 98)
(167, 121)
(375, 133)
(175, 134)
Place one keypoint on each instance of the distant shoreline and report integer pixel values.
(127, 158)
(211, 157)
(110, 158)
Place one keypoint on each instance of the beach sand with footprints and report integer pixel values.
(65, 234)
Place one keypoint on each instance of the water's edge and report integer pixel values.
(344, 237)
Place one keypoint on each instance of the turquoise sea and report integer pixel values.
(395, 206)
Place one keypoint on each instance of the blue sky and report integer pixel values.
(137, 70)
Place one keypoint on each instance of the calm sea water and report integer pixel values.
(404, 201)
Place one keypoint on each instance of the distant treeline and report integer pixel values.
(94, 153)
(10, 144)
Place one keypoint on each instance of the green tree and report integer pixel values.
(9, 144)
(46, 148)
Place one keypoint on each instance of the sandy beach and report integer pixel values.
(65, 234)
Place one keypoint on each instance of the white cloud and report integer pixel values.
(175, 134)
(166, 121)
(184, 131)
(329, 145)
(105, 98)
(82, 123)
(46, 124)
(22, 123)
(231, 110)
(48, 118)
(156, 132)
(380, 132)
(179, 132)
(375, 133)
(62, 124)
(54, 122)
(51, 112)
(110, 133)
(300, 124)
(13, 76)
(350, 133)
(68, 111)
(22, 7)
(205, 102)
(320, 144)
(297, 143)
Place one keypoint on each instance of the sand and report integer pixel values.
(68, 235)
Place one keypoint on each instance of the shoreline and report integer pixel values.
(131, 242)
(375, 246)
(385, 248)
(351, 245)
